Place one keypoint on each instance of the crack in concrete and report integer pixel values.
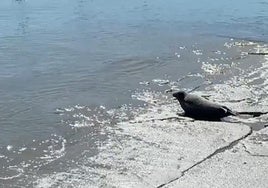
(220, 150)
(254, 155)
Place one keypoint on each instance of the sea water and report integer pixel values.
(72, 70)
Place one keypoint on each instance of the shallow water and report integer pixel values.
(71, 71)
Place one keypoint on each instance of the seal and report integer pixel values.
(200, 108)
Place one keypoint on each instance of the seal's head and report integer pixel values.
(180, 95)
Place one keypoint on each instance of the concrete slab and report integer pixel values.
(154, 152)
(244, 165)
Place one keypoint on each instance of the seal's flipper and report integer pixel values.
(228, 111)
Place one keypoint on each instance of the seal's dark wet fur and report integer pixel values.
(200, 108)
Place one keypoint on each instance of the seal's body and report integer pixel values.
(200, 108)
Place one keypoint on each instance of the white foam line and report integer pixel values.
(19, 170)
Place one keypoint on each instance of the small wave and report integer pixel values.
(132, 65)
(9, 147)
(214, 69)
(83, 116)
(14, 172)
(160, 82)
(19, 161)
